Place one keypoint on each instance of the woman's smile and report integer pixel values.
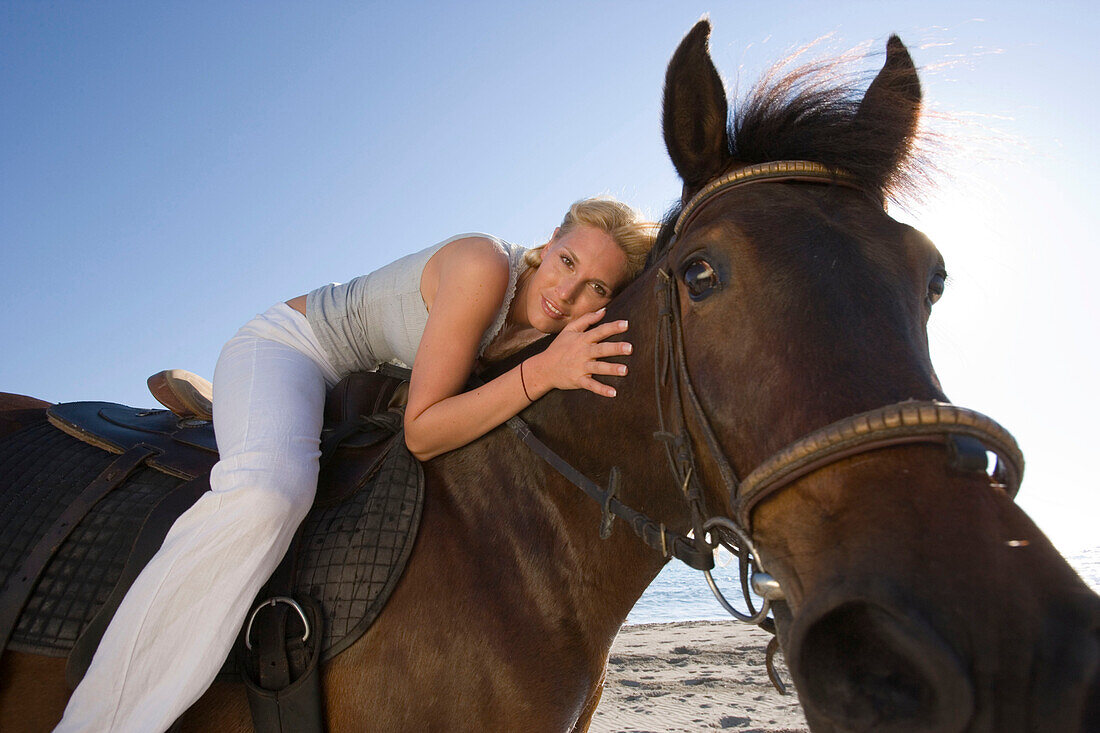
(552, 310)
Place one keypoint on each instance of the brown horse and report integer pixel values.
(918, 597)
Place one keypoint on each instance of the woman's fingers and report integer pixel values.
(605, 349)
(598, 387)
(606, 367)
(606, 330)
(582, 322)
(580, 353)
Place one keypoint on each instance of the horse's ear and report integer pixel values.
(695, 111)
(890, 109)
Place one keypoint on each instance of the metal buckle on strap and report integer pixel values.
(272, 602)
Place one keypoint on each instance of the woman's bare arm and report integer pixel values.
(472, 280)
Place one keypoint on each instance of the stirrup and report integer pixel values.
(185, 393)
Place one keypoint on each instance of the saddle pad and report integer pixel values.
(41, 472)
(350, 554)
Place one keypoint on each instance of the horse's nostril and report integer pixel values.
(866, 669)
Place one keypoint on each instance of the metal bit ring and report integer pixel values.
(746, 548)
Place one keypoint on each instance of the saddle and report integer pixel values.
(77, 524)
(360, 411)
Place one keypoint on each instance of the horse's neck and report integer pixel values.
(545, 528)
(593, 434)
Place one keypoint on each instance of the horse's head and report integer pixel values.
(918, 596)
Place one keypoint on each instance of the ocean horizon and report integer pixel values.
(680, 593)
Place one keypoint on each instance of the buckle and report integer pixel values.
(272, 602)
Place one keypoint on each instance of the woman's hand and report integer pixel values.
(574, 356)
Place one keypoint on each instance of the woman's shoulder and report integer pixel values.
(478, 252)
(475, 244)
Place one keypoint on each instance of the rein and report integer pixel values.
(966, 434)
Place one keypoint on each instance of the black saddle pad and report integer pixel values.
(350, 556)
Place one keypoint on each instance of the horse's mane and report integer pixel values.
(808, 113)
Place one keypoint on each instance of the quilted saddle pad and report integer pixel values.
(350, 555)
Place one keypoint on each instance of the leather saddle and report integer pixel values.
(361, 411)
(358, 535)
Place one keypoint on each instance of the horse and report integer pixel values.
(782, 401)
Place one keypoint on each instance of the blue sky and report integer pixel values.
(171, 169)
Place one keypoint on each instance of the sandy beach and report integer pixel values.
(692, 676)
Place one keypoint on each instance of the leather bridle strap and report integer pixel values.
(671, 376)
(654, 534)
(902, 423)
(775, 172)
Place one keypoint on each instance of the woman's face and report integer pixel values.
(579, 273)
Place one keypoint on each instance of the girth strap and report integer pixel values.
(22, 582)
(281, 670)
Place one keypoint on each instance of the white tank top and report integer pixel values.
(380, 317)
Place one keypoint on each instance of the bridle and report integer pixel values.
(967, 435)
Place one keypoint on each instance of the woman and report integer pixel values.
(469, 298)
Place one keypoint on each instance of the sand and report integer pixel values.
(692, 676)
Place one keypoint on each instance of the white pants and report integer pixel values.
(179, 620)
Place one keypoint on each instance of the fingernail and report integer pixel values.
(623, 324)
(613, 393)
(622, 370)
(628, 348)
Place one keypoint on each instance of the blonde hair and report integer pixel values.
(634, 235)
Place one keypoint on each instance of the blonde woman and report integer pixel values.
(469, 298)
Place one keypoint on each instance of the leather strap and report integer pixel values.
(296, 706)
(268, 650)
(654, 534)
(22, 582)
(902, 423)
(281, 675)
(779, 171)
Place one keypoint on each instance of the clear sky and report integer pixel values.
(167, 170)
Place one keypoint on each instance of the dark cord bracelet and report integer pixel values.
(524, 383)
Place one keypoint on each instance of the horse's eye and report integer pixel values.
(701, 279)
(936, 287)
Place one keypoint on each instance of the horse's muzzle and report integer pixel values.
(861, 667)
(871, 663)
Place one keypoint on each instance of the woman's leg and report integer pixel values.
(178, 621)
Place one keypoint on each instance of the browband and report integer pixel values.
(776, 172)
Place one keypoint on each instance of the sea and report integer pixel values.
(679, 593)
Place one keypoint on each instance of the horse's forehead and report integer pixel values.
(772, 218)
(918, 241)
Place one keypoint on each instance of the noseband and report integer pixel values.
(967, 435)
